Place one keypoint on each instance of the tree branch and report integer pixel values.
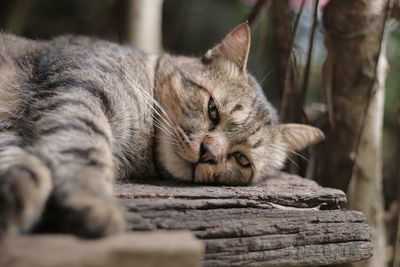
(255, 12)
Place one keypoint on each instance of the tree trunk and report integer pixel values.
(145, 24)
(283, 43)
(355, 71)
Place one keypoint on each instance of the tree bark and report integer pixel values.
(354, 74)
(145, 24)
(286, 221)
(283, 42)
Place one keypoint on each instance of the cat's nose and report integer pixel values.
(208, 154)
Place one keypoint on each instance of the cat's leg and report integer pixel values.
(25, 184)
(75, 140)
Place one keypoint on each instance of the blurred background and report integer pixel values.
(191, 27)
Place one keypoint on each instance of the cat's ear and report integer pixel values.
(298, 136)
(235, 47)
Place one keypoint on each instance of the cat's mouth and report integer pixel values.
(188, 163)
(191, 165)
(185, 160)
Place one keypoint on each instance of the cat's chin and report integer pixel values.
(174, 164)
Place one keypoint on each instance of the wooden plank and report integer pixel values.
(284, 189)
(150, 249)
(286, 221)
(277, 223)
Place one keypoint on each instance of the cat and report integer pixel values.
(77, 112)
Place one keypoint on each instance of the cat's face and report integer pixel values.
(215, 125)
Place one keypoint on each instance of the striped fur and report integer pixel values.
(76, 112)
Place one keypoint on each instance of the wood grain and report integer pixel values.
(285, 221)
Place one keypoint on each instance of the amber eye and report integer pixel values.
(213, 111)
(242, 160)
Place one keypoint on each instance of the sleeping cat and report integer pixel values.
(76, 113)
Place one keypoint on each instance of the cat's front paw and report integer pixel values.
(23, 192)
(91, 216)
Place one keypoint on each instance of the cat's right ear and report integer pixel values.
(234, 47)
(298, 136)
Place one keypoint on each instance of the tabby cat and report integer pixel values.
(77, 112)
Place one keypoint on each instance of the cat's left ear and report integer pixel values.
(298, 136)
(235, 47)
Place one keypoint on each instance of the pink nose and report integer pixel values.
(209, 153)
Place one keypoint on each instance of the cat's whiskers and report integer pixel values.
(168, 140)
(167, 136)
(294, 163)
(162, 127)
(165, 124)
(182, 137)
(151, 101)
(289, 150)
(169, 133)
(178, 139)
(266, 75)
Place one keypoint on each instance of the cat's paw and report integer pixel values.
(92, 216)
(23, 193)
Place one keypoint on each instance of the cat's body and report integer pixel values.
(84, 75)
(76, 112)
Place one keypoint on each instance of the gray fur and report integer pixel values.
(77, 112)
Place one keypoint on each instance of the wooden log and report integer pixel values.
(151, 249)
(285, 221)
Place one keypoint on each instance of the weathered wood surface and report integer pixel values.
(277, 223)
(150, 249)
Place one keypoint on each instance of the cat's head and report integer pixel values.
(215, 124)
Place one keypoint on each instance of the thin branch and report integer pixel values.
(309, 54)
(262, 33)
(255, 12)
(297, 20)
(290, 64)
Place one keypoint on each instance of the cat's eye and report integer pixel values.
(213, 111)
(241, 159)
